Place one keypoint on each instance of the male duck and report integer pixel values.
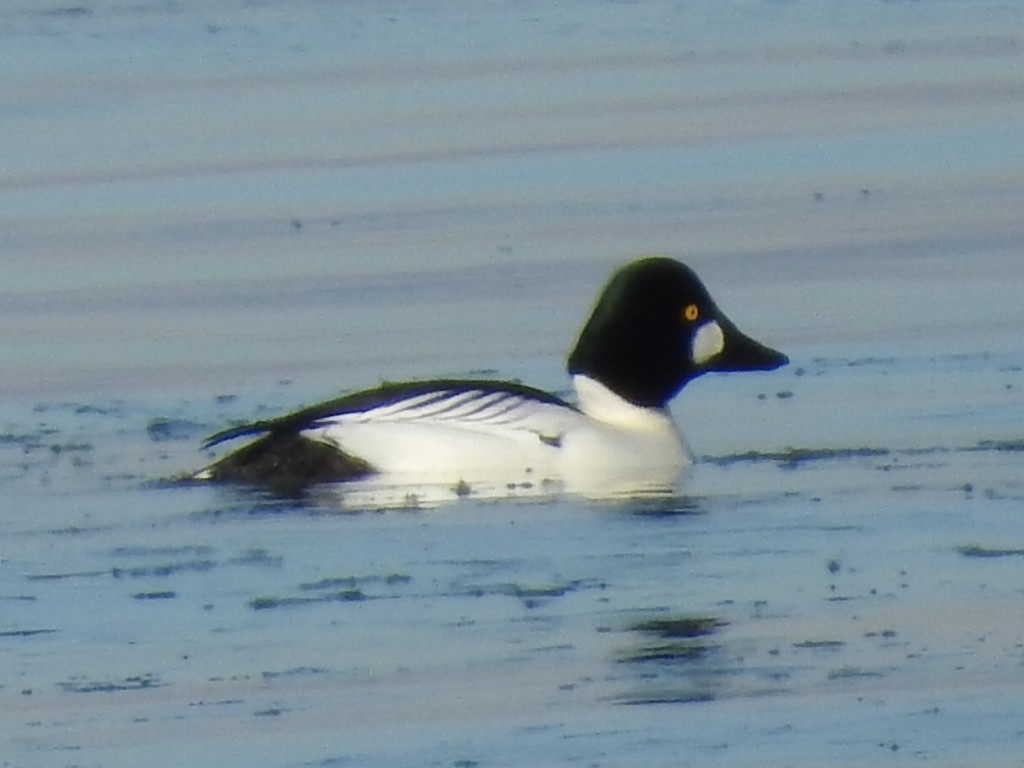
(653, 329)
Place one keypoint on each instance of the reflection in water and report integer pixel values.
(675, 660)
(655, 488)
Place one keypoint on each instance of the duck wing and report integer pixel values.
(289, 455)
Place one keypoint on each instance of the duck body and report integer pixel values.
(451, 431)
(653, 329)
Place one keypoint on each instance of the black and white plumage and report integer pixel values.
(653, 329)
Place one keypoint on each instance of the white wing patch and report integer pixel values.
(472, 409)
(456, 433)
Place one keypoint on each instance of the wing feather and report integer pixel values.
(482, 402)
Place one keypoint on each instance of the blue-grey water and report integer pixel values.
(219, 211)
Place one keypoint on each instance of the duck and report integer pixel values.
(653, 329)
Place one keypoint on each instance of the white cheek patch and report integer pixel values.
(708, 341)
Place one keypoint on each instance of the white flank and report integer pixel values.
(512, 439)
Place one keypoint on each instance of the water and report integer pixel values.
(217, 212)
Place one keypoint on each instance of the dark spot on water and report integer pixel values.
(833, 566)
(159, 595)
(532, 596)
(669, 507)
(76, 530)
(673, 661)
(164, 569)
(819, 645)
(794, 457)
(71, 575)
(688, 697)
(888, 634)
(27, 442)
(86, 409)
(188, 549)
(784, 394)
(350, 582)
(133, 683)
(868, 361)
(1011, 446)
(668, 653)
(904, 487)
(294, 672)
(683, 626)
(974, 550)
(331, 583)
(26, 632)
(162, 430)
(67, 12)
(217, 703)
(344, 596)
(521, 592)
(59, 448)
(852, 673)
(257, 556)
(271, 712)
(248, 502)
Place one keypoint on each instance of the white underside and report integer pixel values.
(487, 443)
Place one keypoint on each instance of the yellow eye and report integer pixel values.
(691, 312)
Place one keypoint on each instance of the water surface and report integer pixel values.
(219, 212)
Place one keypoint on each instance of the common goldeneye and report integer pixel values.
(653, 329)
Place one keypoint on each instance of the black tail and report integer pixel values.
(283, 462)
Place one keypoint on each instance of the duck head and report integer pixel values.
(654, 328)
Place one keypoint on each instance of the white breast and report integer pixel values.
(624, 443)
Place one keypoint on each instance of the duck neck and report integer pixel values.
(602, 404)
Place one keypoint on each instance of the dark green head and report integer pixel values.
(654, 328)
